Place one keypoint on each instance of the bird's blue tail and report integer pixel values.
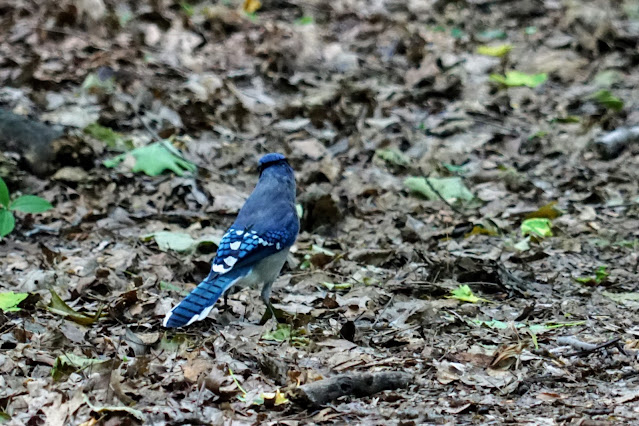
(197, 305)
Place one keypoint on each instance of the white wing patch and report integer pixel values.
(237, 244)
(220, 269)
(230, 260)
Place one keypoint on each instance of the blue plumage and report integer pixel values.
(197, 305)
(270, 158)
(254, 249)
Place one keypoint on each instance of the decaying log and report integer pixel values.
(42, 149)
(30, 139)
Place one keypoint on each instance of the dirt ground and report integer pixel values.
(526, 203)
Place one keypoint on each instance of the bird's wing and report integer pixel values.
(239, 250)
(244, 247)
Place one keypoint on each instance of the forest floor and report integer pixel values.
(505, 285)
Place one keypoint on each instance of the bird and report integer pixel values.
(255, 247)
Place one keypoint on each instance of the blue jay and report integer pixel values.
(254, 248)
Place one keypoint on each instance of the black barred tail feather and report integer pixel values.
(198, 304)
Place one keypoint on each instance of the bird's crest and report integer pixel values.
(271, 159)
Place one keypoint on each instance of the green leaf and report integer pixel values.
(187, 8)
(179, 241)
(115, 409)
(537, 227)
(124, 17)
(516, 78)
(465, 294)
(454, 168)
(57, 306)
(4, 194)
(538, 135)
(305, 20)
(494, 324)
(4, 417)
(7, 222)
(457, 33)
(30, 204)
(633, 244)
(553, 325)
(491, 35)
(393, 156)
(281, 334)
(175, 241)
(449, 188)
(623, 297)
(319, 249)
(238, 385)
(337, 286)
(601, 275)
(608, 100)
(68, 363)
(497, 51)
(585, 280)
(569, 119)
(94, 84)
(9, 301)
(154, 159)
(607, 78)
(174, 343)
(111, 138)
(530, 30)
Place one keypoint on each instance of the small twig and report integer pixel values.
(148, 128)
(383, 310)
(485, 283)
(511, 132)
(616, 206)
(510, 281)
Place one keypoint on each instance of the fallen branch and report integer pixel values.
(612, 144)
(584, 347)
(576, 343)
(359, 385)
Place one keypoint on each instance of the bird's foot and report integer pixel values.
(268, 314)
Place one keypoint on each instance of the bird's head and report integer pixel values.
(274, 162)
(276, 175)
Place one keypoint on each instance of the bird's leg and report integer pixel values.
(266, 298)
(225, 306)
